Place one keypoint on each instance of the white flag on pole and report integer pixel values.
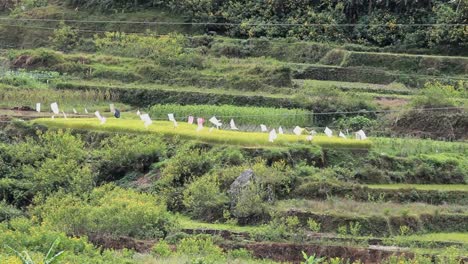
(55, 108)
(280, 131)
(361, 135)
(215, 122)
(328, 132)
(263, 128)
(233, 125)
(272, 135)
(200, 122)
(146, 118)
(74, 111)
(112, 108)
(38, 107)
(190, 120)
(86, 111)
(297, 130)
(342, 135)
(101, 118)
(171, 117)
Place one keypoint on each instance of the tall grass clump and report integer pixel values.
(241, 115)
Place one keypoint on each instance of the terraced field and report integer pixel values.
(171, 194)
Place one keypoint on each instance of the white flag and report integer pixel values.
(328, 132)
(101, 118)
(171, 117)
(146, 118)
(190, 120)
(297, 130)
(138, 113)
(64, 115)
(112, 108)
(38, 107)
(55, 108)
(280, 131)
(98, 115)
(86, 110)
(233, 125)
(263, 128)
(215, 122)
(361, 135)
(200, 122)
(74, 111)
(272, 135)
(309, 138)
(342, 135)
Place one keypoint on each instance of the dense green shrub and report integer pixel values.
(40, 166)
(108, 210)
(64, 38)
(435, 95)
(186, 165)
(204, 199)
(119, 154)
(23, 235)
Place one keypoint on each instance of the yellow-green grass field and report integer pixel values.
(184, 130)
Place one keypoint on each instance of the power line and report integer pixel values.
(225, 23)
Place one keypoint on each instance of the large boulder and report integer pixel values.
(239, 184)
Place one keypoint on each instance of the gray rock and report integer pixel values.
(239, 184)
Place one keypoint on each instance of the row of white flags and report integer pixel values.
(272, 136)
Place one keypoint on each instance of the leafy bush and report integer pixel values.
(64, 38)
(435, 95)
(201, 249)
(204, 199)
(162, 249)
(167, 50)
(108, 210)
(119, 154)
(186, 165)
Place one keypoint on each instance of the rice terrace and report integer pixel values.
(234, 131)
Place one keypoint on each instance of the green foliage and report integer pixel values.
(108, 210)
(204, 199)
(162, 249)
(48, 259)
(186, 165)
(251, 204)
(167, 50)
(243, 116)
(119, 154)
(40, 167)
(313, 225)
(356, 123)
(312, 259)
(435, 95)
(64, 38)
(22, 235)
(200, 250)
